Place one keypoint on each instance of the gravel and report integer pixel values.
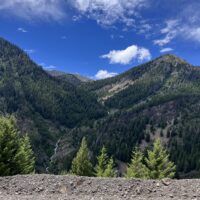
(50, 187)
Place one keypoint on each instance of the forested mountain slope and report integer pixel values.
(158, 99)
(44, 106)
(74, 79)
(166, 74)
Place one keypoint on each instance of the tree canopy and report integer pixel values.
(81, 164)
(16, 155)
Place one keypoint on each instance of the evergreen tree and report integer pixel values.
(137, 169)
(110, 171)
(16, 156)
(158, 163)
(25, 156)
(105, 166)
(102, 161)
(81, 164)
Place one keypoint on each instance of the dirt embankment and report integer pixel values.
(49, 187)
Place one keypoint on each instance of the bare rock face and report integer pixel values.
(49, 187)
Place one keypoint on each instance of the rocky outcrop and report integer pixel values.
(49, 187)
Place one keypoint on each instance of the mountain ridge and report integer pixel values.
(75, 79)
(44, 106)
(160, 68)
(160, 98)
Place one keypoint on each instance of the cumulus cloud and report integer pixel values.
(102, 74)
(127, 55)
(31, 9)
(107, 12)
(165, 50)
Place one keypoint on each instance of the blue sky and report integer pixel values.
(101, 38)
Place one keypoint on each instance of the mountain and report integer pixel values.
(163, 74)
(44, 106)
(74, 79)
(160, 98)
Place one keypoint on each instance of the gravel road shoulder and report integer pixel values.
(50, 187)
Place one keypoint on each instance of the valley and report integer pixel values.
(160, 98)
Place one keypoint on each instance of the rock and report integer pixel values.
(166, 181)
(138, 190)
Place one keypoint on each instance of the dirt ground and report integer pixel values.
(50, 187)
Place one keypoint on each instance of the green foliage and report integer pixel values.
(49, 107)
(64, 172)
(74, 79)
(136, 168)
(42, 103)
(110, 171)
(137, 92)
(102, 161)
(81, 164)
(105, 166)
(158, 163)
(16, 156)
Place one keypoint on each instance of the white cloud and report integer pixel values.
(165, 50)
(107, 12)
(166, 40)
(113, 37)
(29, 51)
(170, 30)
(22, 30)
(33, 9)
(102, 74)
(50, 67)
(127, 55)
(186, 26)
(47, 67)
(76, 18)
(171, 25)
(144, 28)
(192, 33)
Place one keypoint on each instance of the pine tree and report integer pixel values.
(25, 156)
(102, 161)
(158, 163)
(16, 156)
(81, 164)
(105, 166)
(137, 169)
(110, 171)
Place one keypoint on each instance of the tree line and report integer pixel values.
(155, 165)
(17, 157)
